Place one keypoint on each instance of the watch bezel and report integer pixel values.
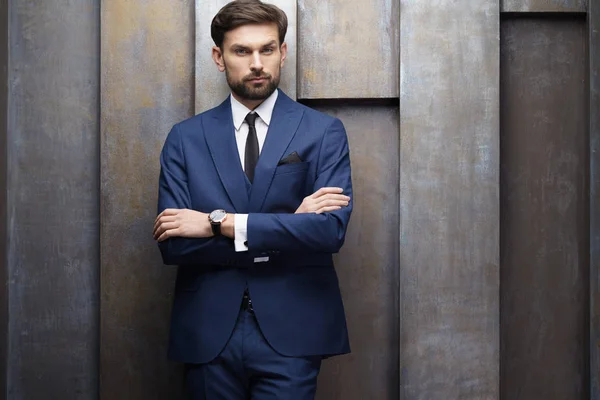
(217, 216)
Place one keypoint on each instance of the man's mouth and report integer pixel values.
(258, 79)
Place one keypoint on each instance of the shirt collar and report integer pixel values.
(264, 111)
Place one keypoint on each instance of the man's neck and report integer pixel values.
(249, 104)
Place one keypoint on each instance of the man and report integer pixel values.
(254, 198)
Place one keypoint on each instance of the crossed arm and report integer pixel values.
(187, 223)
(318, 225)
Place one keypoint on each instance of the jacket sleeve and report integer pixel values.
(323, 233)
(173, 192)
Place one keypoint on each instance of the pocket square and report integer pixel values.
(290, 159)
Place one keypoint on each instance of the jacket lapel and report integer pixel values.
(220, 137)
(284, 124)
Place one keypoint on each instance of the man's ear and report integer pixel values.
(283, 53)
(217, 55)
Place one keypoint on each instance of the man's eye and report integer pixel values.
(268, 51)
(241, 52)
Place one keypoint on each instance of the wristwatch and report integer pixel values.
(216, 218)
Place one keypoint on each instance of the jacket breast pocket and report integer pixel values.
(291, 168)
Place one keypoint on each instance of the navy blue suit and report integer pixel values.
(295, 294)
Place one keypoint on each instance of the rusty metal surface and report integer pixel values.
(348, 50)
(544, 5)
(211, 86)
(53, 199)
(544, 231)
(367, 266)
(449, 200)
(594, 108)
(147, 86)
(3, 192)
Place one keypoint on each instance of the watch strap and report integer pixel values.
(216, 228)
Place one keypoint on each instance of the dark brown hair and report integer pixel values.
(244, 12)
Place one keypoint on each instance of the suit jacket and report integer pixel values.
(295, 294)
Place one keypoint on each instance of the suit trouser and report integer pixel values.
(249, 368)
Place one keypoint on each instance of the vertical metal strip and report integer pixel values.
(594, 109)
(147, 72)
(4, 27)
(52, 186)
(449, 200)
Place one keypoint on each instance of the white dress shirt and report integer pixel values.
(239, 112)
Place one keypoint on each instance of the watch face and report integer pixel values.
(217, 216)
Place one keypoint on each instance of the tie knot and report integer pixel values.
(250, 118)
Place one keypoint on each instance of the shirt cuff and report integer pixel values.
(240, 238)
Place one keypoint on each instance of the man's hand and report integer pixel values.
(323, 200)
(182, 223)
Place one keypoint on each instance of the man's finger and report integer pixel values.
(330, 194)
(162, 237)
(326, 190)
(168, 211)
(164, 227)
(316, 194)
(167, 234)
(328, 209)
(336, 197)
(159, 231)
(162, 220)
(331, 203)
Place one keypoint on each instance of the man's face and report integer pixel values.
(252, 59)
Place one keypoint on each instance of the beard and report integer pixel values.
(252, 91)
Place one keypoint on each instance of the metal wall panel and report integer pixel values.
(147, 86)
(544, 5)
(544, 203)
(348, 50)
(449, 195)
(367, 265)
(211, 86)
(3, 193)
(594, 108)
(53, 199)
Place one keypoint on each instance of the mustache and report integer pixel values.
(250, 77)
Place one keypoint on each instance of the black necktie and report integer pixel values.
(251, 154)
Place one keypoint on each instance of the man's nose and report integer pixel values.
(256, 64)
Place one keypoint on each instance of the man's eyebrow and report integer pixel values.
(243, 46)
